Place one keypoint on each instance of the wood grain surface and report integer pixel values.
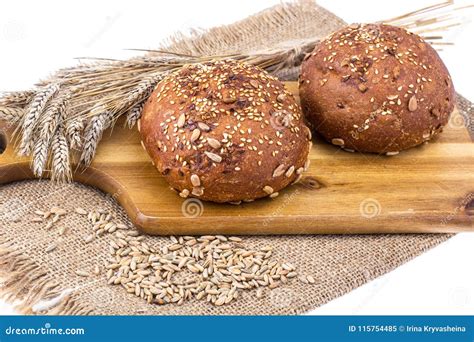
(426, 189)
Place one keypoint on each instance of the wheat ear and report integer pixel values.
(140, 92)
(134, 114)
(74, 130)
(54, 116)
(40, 157)
(60, 166)
(17, 98)
(11, 114)
(31, 117)
(99, 123)
(93, 134)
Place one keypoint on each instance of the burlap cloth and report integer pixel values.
(338, 263)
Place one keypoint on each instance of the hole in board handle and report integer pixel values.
(3, 142)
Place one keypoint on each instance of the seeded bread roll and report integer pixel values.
(376, 88)
(224, 131)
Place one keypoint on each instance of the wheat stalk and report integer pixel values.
(31, 117)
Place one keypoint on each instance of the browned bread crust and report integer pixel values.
(376, 88)
(225, 131)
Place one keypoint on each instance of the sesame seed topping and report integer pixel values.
(181, 120)
(195, 181)
(412, 104)
(370, 45)
(337, 141)
(226, 112)
(203, 127)
(268, 189)
(275, 194)
(184, 193)
(214, 157)
(281, 97)
(254, 83)
(198, 191)
(280, 170)
(290, 171)
(195, 135)
(214, 143)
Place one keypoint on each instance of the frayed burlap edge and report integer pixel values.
(27, 284)
(24, 284)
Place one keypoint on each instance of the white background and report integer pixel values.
(38, 37)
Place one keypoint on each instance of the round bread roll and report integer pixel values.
(375, 88)
(225, 131)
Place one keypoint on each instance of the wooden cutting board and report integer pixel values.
(426, 189)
